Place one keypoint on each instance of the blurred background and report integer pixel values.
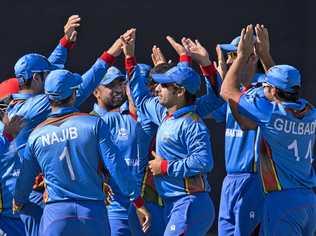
(37, 25)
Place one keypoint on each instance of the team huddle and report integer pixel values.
(137, 164)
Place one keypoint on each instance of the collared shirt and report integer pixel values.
(69, 153)
(127, 136)
(286, 142)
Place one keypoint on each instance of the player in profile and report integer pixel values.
(286, 124)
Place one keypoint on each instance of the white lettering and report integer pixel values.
(296, 128)
(65, 134)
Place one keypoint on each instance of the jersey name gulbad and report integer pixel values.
(68, 133)
(298, 128)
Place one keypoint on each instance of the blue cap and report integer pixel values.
(31, 63)
(230, 47)
(112, 74)
(283, 77)
(144, 70)
(259, 78)
(59, 84)
(184, 76)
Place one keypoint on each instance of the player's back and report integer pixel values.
(68, 154)
(289, 139)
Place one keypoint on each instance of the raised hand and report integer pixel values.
(128, 42)
(70, 28)
(197, 51)
(116, 49)
(221, 65)
(262, 44)
(179, 48)
(157, 57)
(246, 44)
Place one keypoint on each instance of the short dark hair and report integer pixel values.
(287, 96)
(60, 103)
(189, 97)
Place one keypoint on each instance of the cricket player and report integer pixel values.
(242, 196)
(68, 148)
(10, 223)
(34, 107)
(287, 136)
(137, 86)
(117, 110)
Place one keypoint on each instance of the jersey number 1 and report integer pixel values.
(65, 155)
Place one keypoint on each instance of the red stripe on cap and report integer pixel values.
(8, 87)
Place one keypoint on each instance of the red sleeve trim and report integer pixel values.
(66, 43)
(139, 202)
(164, 167)
(107, 58)
(130, 63)
(185, 58)
(209, 70)
(8, 136)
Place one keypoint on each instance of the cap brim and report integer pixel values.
(228, 48)
(108, 81)
(162, 79)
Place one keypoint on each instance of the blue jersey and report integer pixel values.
(286, 141)
(10, 162)
(9, 171)
(240, 145)
(128, 137)
(69, 149)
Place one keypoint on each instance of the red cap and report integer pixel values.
(8, 87)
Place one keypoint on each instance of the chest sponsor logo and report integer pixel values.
(234, 133)
(122, 134)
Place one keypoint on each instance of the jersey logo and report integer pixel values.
(122, 134)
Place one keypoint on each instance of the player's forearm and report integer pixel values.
(92, 78)
(230, 89)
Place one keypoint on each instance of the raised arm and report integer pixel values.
(211, 101)
(59, 56)
(91, 79)
(145, 103)
(262, 47)
(230, 90)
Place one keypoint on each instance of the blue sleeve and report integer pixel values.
(209, 102)
(29, 170)
(147, 105)
(4, 144)
(258, 109)
(59, 56)
(90, 80)
(199, 159)
(117, 169)
(219, 115)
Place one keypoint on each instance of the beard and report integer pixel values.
(116, 101)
